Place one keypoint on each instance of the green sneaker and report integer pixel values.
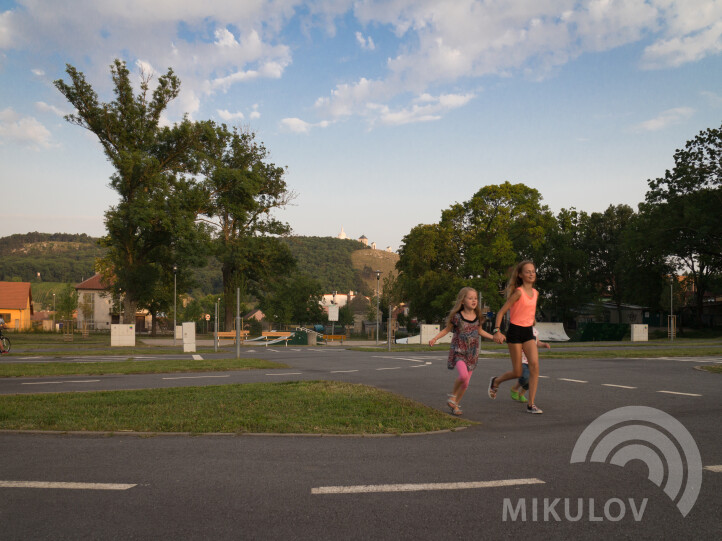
(523, 399)
(514, 395)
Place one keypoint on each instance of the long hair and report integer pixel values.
(459, 304)
(515, 280)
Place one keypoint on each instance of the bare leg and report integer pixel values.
(515, 372)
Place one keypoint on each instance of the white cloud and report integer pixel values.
(679, 50)
(26, 131)
(255, 113)
(715, 99)
(47, 108)
(228, 116)
(296, 125)
(38, 72)
(666, 118)
(366, 43)
(426, 108)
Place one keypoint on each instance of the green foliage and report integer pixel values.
(474, 244)
(293, 300)
(563, 269)
(590, 332)
(66, 303)
(152, 227)
(242, 190)
(58, 257)
(328, 260)
(683, 212)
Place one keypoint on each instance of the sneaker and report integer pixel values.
(514, 395)
(492, 389)
(533, 409)
(523, 399)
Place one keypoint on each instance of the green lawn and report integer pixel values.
(316, 407)
(164, 366)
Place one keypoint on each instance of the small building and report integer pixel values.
(95, 304)
(16, 305)
(363, 240)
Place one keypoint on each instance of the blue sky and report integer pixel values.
(385, 112)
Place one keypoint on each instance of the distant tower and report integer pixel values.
(363, 240)
(373, 245)
(342, 234)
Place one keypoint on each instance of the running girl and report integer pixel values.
(521, 305)
(464, 321)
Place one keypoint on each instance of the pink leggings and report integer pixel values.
(464, 374)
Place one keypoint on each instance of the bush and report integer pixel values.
(601, 332)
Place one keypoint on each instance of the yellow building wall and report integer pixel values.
(18, 320)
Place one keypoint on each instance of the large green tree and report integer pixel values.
(563, 268)
(243, 189)
(683, 210)
(474, 244)
(154, 218)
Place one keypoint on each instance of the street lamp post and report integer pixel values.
(175, 268)
(53, 312)
(378, 300)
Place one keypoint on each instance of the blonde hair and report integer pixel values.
(458, 305)
(515, 280)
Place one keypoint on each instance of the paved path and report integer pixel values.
(471, 483)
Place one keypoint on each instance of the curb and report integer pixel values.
(223, 434)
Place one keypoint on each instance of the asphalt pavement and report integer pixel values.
(509, 476)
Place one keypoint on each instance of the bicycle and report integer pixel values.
(4, 342)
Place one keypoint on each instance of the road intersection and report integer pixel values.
(508, 476)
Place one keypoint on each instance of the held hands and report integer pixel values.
(499, 338)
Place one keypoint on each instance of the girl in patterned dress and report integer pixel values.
(465, 322)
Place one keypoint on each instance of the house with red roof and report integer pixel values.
(97, 308)
(16, 305)
(95, 304)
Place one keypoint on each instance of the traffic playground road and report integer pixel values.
(295, 487)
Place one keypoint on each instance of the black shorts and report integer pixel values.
(518, 335)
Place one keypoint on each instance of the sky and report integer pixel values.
(385, 112)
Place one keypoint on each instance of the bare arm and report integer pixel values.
(498, 337)
(446, 330)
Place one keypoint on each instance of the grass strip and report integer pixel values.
(559, 353)
(713, 369)
(10, 370)
(315, 407)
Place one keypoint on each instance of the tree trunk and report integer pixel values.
(129, 308)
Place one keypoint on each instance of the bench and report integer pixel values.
(274, 335)
(332, 337)
(231, 335)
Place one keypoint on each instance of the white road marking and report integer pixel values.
(75, 486)
(286, 374)
(716, 468)
(682, 394)
(43, 383)
(573, 380)
(83, 381)
(342, 371)
(366, 489)
(545, 377)
(420, 365)
(198, 377)
(197, 358)
(620, 386)
(398, 358)
(394, 368)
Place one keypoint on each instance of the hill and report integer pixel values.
(58, 257)
(341, 265)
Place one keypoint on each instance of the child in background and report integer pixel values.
(465, 321)
(517, 391)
